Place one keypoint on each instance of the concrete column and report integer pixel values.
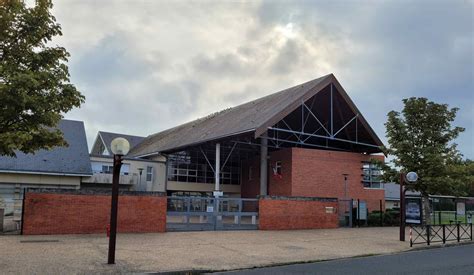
(263, 165)
(218, 167)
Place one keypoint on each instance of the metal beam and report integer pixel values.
(217, 171)
(313, 145)
(208, 162)
(317, 120)
(311, 133)
(228, 156)
(345, 125)
(332, 112)
(325, 137)
(294, 132)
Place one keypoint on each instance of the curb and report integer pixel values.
(197, 271)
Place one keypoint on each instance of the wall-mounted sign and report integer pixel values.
(362, 211)
(330, 210)
(218, 193)
(413, 210)
(210, 209)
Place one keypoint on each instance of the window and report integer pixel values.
(107, 169)
(371, 175)
(196, 167)
(149, 173)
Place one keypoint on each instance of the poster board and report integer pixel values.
(362, 211)
(461, 208)
(413, 211)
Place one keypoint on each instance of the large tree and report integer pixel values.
(421, 139)
(35, 89)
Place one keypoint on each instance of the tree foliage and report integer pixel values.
(421, 139)
(35, 90)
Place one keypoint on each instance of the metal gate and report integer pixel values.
(205, 213)
(345, 212)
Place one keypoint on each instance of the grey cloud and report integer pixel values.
(288, 57)
(220, 64)
(380, 51)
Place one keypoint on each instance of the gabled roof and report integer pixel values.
(255, 116)
(71, 160)
(107, 137)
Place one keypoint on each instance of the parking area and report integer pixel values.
(211, 250)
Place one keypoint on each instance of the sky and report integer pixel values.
(145, 66)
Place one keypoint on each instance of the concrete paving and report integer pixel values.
(210, 251)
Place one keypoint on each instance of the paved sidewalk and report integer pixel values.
(221, 250)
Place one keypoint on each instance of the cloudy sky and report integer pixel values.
(145, 66)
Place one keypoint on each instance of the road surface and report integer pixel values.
(448, 260)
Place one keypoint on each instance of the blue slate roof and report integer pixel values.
(73, 160)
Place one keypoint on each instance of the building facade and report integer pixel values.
(58, 168)
(135, 175)
(309, 140)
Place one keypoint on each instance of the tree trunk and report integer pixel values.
(426, 210)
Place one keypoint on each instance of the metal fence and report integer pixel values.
(428, 234)
(206, 213)
(451, 217)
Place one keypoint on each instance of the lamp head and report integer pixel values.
(411, 177)
(120, 146)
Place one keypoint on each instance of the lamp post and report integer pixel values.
(119, 147)
(410, 177)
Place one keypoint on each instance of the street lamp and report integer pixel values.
(410, 178)
(119, 147)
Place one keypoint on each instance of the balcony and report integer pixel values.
(107, 178)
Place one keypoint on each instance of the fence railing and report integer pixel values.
(428, 234)
(451, 217)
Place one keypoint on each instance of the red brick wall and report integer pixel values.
(250, 188)
(292, 213)
(56, 213)
(314, 173)
(318, 173)
(280, 186)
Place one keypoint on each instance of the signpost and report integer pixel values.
(410, 178)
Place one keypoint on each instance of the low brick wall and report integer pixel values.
(79, 212)
(286, 213)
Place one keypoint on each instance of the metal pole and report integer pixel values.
(114, 208)
(218, 167)
(332, 124)
(457, 228)
(381, 214)
(263, 166)
(402, 208)
(25, 190)
(350, 212)
(358, 212)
